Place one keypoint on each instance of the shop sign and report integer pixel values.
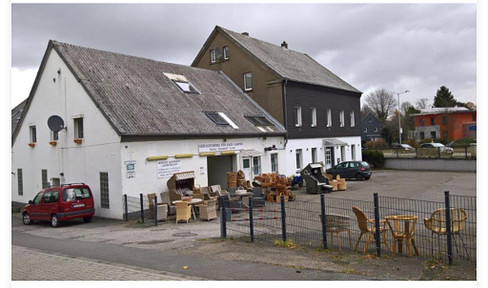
(130, 169)
(166, 168)
(219, 147)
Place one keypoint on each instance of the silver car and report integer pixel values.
(439, 146)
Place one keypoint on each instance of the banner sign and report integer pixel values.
(166, 168)
(219, 147)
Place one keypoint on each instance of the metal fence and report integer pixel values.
(303, 223)
(466, 152)
(138, 209)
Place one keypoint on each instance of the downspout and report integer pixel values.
(284, 82)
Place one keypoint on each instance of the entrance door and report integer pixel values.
(246, 167)
(217, 168)
(329, 157)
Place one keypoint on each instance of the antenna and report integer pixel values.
(55, 123)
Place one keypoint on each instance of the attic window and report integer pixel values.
(219, 118)
(182, 83)
(259, 121)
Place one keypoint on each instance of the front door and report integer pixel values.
(246, 167)
(329, 157)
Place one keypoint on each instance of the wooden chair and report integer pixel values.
(367, 226)
(437, 224)
(341, 183)
(335, 224)
(183, 211)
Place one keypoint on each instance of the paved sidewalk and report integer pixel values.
(30, 264)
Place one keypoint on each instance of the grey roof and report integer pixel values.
(16, 114)
(137, 98)
(441, 110)
(287, 63)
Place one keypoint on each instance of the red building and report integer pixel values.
(449, 124)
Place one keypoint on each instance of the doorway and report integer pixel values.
(217, 168)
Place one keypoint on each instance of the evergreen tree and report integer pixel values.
(444, 98)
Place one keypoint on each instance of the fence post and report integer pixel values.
(322, 217)
(283, 218)
(439, 152)
(448, 226)
(141, 199)
(126, 209)
(377, 224)
(223, 219)
(251, 220)
(465, 152)
(156, 210)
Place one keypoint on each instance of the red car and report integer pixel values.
(60, 203)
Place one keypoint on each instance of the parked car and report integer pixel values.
(359, 170)
(439, 146)
(60, 203)
(405, 147)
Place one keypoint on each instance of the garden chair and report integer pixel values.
(367, 226)
(183, 211)
(437, 225)
(258, 197)
(165, 199)
(208, 211)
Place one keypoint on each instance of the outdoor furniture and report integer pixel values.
(403, 229)
(341, 183)
(367, 226)
(165, 199)
(183, 211)
(208, 211)
(162, 212)
(217, 190)
(181, 184)
(258, 197)
(437, 224)
(335, 224)
(315, 180)
(150, 198)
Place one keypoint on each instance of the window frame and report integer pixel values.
(274, 162)
(213, 57)
(104, 190)
(314, 117)
(298, 116)
(78, 130)
(299, 158)
(246, 87)
(329, 117)
(353, 119)
(225, 52)
(20, 182)
(341, 119)
(32, 134)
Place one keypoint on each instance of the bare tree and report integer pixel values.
(422, 103)
(365, 111)
(382, 103)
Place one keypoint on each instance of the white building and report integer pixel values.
(130, 123)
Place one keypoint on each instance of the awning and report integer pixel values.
(333, 142)
(250, 153)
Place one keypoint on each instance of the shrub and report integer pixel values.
(374, 157)
(463, 142)
(376, 144)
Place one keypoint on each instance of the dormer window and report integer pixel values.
(226, 52)
(219, 118)
(182, 83)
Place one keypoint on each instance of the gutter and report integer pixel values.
(285, 116)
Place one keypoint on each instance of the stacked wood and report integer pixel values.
(274, 186)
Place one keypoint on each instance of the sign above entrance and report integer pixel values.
(219, 147)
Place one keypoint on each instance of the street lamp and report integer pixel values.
(399, 114)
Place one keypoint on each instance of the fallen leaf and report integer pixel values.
(185, 267)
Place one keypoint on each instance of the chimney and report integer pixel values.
(245, 33)
(284, 45)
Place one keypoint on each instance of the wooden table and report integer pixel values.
(242, 195)
(403, 229)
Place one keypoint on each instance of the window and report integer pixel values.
(444, 119)
(256, 165)
(343, 153)
(328, 156)
(432, 135)
(365, 130)
(314, 117)
(219, 118)
(353, 120)
(259, 121)
(38, 198)
(446, 135)
(45, 183)
(246, 163)
(51, 197)
(20, 183)
(329, 118)
(298, 116)
(71, 194)
(248, 81)
(186, 87)
(78, 128)
(274, 162)
(299, 158)
(33, 134)
(226, 52)
(421, 122)
(104, 192)
(341, 118)
(314, 155)
(376, 129)
(54, 136)
(353, 152)
(212, 56)
(422, 135)
(432, 120)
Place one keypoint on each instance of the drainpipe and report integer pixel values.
(284, 82)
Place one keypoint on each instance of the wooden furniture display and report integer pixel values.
(437, 224)
(181, 184)
(150, 198)
(162, 212)
(403, 229)
(336, 224)
(183, 211)
(341, 183)
(367, 226)
(208, 210)
(165, 199)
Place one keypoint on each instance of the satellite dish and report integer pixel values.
(55, 123)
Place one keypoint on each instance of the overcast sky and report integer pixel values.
(418, 47)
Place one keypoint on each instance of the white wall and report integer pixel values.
(146, 177)
(60, 94)
(307, 144)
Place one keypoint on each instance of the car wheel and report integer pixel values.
(26, 219)
(87, 219)
(54, 221)
(359, 177)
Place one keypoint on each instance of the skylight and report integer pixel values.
(182, 83)
(259, 121)
(219, 118)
